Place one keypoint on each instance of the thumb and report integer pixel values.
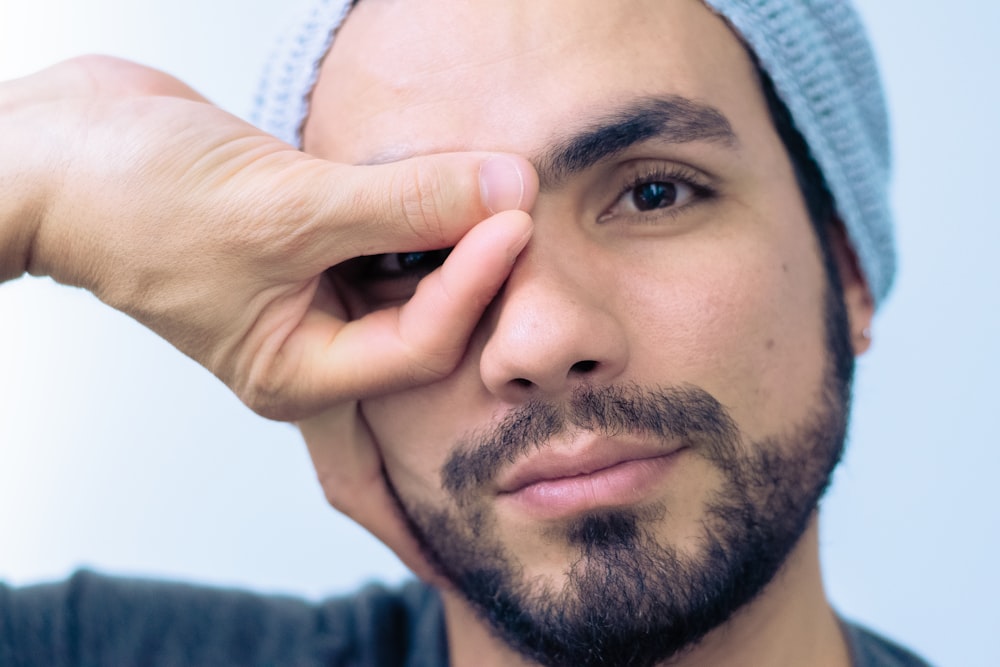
(422, 203)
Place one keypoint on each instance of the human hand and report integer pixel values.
(122, 180)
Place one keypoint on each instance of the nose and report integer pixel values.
(555, 326)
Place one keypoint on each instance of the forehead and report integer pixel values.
(407, 77)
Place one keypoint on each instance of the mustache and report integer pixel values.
(687, 413)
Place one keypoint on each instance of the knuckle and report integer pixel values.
(116, 76)
(99, 64)
(336, 497)
(416, 190)
(434, 364)
(266, 395)
(343, 491)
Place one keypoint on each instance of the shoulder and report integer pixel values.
(97, 619)
(390, 626)
(869, 649)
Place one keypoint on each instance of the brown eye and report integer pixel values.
(651, 196)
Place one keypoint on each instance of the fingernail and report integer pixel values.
(501, 184)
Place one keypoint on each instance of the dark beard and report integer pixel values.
(629, 600)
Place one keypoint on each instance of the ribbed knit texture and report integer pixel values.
(282, 101)
(819, 57)
(816, 52)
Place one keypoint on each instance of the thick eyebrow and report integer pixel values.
(670, 119)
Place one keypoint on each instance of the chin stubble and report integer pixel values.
(628, 599)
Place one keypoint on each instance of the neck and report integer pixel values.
(789, 624)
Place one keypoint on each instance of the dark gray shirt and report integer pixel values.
(91, 620)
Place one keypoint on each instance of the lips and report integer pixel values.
(586, 474)
(579, 459)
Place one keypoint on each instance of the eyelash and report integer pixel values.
(676, 174)
(372, 272)
(682, 176)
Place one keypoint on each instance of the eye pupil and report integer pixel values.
(420, 261)
(650, 196)
(410, 260)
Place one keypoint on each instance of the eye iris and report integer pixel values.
(650, 196)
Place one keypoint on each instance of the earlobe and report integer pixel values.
(858, 301)
(862, 341)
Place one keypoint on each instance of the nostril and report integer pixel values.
(521, 382)
(583, 367)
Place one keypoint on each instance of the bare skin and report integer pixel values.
(724, 293)
(122, 180)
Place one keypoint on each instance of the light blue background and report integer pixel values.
(118, 453)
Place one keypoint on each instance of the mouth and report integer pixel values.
(600, 473)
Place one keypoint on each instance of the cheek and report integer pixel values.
(415, 431)
(406, 441)
(741, 318)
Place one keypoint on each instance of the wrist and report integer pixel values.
(22, 181)
(15, 253)
(22, 207)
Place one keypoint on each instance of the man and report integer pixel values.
(602, 431)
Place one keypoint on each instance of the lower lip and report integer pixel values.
(626, 483)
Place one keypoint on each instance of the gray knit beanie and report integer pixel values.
(816, 52)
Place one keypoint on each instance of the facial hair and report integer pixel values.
(629, 600)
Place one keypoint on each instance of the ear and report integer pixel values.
(858, 299)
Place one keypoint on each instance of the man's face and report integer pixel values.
(646, 414)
